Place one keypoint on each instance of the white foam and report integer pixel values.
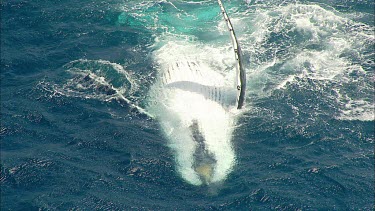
(322, 47)
(96, 79)
(357, 110)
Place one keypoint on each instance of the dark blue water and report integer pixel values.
(76, 133)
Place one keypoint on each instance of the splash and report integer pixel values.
(96, 79)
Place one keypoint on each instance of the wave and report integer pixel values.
(96, 79)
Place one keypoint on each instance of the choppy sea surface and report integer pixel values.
(86, 123)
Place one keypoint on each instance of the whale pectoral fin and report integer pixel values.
(241, 75)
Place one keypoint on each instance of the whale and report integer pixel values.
(197, 107)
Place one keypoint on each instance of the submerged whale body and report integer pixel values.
(204, 161)
(196, 107)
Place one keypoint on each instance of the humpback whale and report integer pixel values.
(196, 105)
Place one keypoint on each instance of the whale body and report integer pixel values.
(196, 106)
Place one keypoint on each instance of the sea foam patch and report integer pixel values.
(292, 40)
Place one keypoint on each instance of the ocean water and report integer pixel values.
(93, 116)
